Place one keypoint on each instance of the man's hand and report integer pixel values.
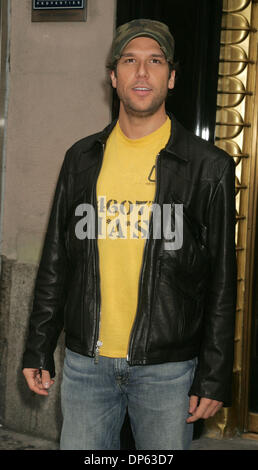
(204, 410)
(39, 381)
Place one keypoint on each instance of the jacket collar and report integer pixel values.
(177, 143)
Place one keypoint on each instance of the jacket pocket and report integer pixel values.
(198, 230)
(190, 260)
(176, 317)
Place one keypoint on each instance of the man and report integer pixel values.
(138, 314)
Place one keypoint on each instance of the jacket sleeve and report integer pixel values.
(46, 319)
(213, 377)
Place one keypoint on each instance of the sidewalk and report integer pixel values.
(11, 440)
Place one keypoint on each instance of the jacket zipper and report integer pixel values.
(128, 357)
(98, 343)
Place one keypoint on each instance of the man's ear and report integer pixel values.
(171, 81)
(113, 78)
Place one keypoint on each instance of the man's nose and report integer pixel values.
(142, 69)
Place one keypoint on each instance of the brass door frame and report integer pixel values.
(236, 132)
(249, 420)
(246, 234)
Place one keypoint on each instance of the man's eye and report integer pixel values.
(129, 60)
(156, 61)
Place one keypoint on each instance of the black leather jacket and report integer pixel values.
(186, 299)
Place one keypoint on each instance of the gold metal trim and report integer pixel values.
(235, 28)
(253, 422)
(243, 124)
(251, 206)
(238, 96)
(249, 435)
(233, 6)
(250, 30)
(231, 92)
(233, 59)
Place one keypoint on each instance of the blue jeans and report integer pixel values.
(94, 399)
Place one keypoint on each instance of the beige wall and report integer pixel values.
(57, 94)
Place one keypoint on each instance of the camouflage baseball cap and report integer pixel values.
(147, 28)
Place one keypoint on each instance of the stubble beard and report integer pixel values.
(132, 109)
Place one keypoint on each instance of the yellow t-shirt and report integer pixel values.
(126, 184)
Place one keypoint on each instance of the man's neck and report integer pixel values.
(135, 127)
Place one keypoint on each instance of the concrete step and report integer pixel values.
(13, 440)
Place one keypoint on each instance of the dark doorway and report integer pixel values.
(196, 27)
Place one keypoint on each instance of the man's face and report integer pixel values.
(142, 77)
